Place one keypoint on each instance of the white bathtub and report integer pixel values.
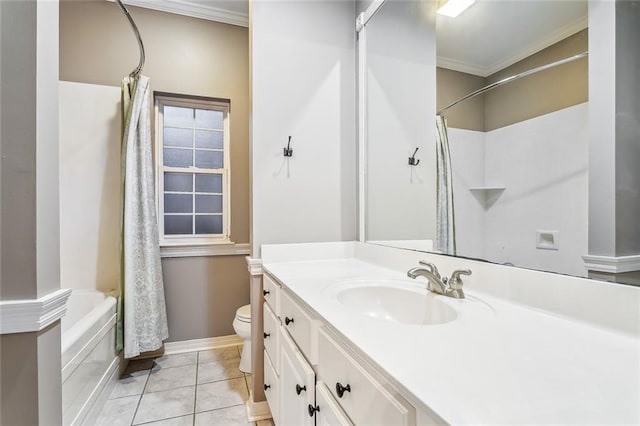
(89, 359)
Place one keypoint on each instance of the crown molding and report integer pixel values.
(29, 315)
(612, 264)
(194, 10)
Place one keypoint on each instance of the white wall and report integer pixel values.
(543, 163)
(401, 102)
(90, 127)
(303, 85)
(467, 161)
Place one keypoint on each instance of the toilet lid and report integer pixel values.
(244, 313)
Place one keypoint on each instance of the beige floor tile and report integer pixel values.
(174, 421)
(266, 422)
(230, 352)
(231, 416)
(118, 411)
(176, 360)
(249, 379)
(219, 370)
(170, 378)
(165, 404)
(131, 383)
(227, 393)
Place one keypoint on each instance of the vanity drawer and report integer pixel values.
(365, 400)
(300, 325)
(271, 390)
(271, 292)
(329, 412)
(271, 335)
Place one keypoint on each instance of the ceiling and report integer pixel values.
(493, 34)
(487, 37)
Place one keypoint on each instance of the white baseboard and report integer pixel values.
(201, 344)
(257, 410)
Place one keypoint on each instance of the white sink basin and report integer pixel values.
(396, 301)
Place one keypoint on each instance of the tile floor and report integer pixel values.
(195, 388)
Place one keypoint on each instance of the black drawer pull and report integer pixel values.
(299, 389)
(312, 410)
(265, 292)
(340, 390)
(266, 387)
(266, 335)
(287, 320)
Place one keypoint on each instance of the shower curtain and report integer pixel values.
(445, 224)
(142, 318)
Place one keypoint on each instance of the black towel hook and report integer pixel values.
(288, 151)
(412, 159)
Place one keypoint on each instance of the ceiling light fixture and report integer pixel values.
(453, 8)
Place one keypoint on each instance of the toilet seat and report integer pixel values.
(243, 313)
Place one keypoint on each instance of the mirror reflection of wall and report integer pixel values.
(520, 158)
(400, 80)
(400, 89)
(545, 167)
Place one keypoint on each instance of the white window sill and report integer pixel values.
(226, 248)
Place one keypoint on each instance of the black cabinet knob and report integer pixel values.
(340, 390)
(265, 292)
(299, 389)
(287, 320)
(266, 387)
(312, 410)
(266, 335)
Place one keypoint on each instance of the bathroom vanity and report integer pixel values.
(349, 339)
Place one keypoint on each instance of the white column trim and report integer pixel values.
(28, 315)
(612, 264)
(257, 410)
(254, 265)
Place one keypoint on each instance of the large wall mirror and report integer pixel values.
(510, 183)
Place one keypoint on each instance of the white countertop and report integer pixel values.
(515, 365)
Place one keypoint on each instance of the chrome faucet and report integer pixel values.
(451, 287)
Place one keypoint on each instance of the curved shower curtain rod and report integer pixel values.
(134, 27)
(513, 78)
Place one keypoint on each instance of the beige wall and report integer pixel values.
(529, 97)
(186, 56)
(203, 294)
(453, 85)
(541, 93)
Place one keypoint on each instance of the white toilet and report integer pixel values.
(242, 327)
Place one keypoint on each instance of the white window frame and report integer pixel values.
(194, 245)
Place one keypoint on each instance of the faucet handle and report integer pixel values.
(431, 266)
(455, 282)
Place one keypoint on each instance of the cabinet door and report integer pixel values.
(270, 329)
(329, 412)
(297, 386)
(271, 385)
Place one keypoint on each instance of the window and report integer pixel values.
(193, 170)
